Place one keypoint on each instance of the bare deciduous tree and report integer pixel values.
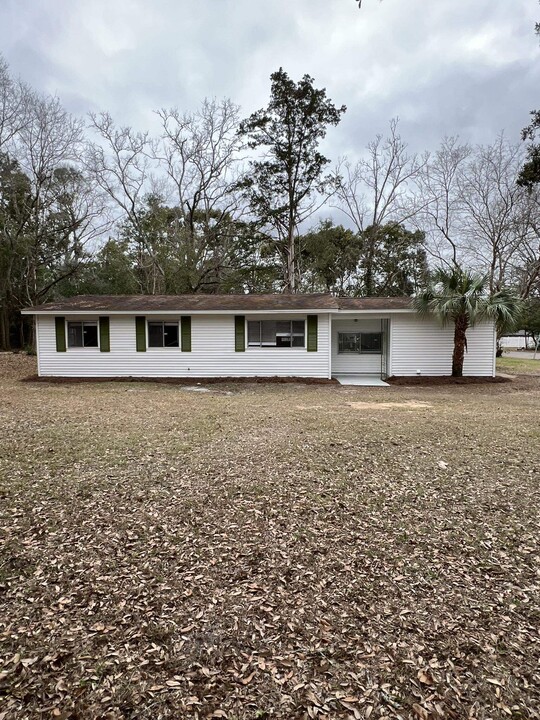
(440, 207)
(50, 209)
(475, 215)
(15, 102)
(121, 164)
(48, 143)
(496, 212)
(200, 153)
(376, 190)
(526, 259)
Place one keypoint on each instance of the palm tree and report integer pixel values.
(460, 297)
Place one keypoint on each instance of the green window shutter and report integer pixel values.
(140, 333)
(60, 328)
(185, 333)
(104, 334)
(239, 333)
(312, 324)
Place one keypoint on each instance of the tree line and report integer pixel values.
(213, 202)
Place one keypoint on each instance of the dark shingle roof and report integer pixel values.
(210, 303)
(374, 303)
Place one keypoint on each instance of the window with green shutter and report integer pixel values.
(185, 332)
(239, 333)
(104, 334)
(60, 329)
(312, 325)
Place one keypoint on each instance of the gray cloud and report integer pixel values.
(442, 67)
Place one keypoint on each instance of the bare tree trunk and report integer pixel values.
(460, 346)
(5, 343)
(32, 332)
(22, 338)
(290, 281)
(369, 261)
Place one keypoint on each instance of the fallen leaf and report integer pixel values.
(425, 678)
(420, 712)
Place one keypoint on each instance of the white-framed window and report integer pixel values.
(360, 342)
(82, 334)
(163, 334)
(276, 333)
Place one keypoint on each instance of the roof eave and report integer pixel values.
(232, 311)
(179, 311)
(372, 311)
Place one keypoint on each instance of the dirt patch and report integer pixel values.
(407, 404)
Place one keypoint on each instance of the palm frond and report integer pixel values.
(458, 293)
(505, 310)
(422, 303)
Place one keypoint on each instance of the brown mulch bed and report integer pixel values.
(283, 552)
(425, 381)
(184, 380)
(405, 381)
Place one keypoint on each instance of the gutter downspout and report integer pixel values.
(329, 346)
(36, 336)
(494, 373)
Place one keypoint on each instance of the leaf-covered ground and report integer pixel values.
(270, 551)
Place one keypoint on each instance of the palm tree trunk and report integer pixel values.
(460, 345)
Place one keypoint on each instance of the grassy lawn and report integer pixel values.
(518, 366)
(272, 551)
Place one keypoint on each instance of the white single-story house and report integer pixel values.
(301, 335)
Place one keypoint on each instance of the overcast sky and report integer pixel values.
(467, 67)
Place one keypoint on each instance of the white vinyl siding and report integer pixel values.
(422, 345)
(212, 353)
(415, 344)
(357, 363)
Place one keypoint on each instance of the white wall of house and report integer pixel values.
(422, 345)
(212, 355)
(359, 363)
(415, 345)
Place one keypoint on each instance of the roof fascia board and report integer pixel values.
(180, 311)
(380, 311)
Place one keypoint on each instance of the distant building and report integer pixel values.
(517, 341)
